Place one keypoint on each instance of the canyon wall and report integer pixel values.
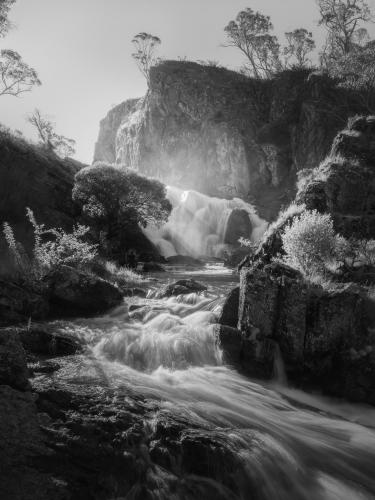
(223, 134)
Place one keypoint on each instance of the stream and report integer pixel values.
(276, 443)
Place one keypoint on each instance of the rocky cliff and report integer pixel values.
(221, 133)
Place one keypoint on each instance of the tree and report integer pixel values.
(300, 44)
(343, 19)
(16, 77)
(114, 200)
(250, 32)
(5, 6)
(59, 144)
(144, 55)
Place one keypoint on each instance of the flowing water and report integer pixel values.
(286, 444)
(198, 223)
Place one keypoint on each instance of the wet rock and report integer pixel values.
(41, 341)
(184, 260)
(13, 367)
(134, 292)
(238, 226)
(231, 341)
(74, 293)
(17, 304)
(152, 267)
(181, 287)
(229, 314)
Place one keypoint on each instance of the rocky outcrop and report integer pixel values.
(76, 293)
(13, 368)
(344, 185)
(105, 148)
(18, 303)
(218, 132)
(229, 313)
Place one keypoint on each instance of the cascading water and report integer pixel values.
(198, 224)
(273, 447)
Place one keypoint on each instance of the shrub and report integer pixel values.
(52, 249)
(309, 241)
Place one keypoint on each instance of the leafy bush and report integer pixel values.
(52, 248)
(309, 241)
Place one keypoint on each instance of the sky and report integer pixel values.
(82, 52)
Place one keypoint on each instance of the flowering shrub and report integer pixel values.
(52, 249)
(309, 241)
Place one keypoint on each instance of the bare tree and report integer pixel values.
(144, 55)
(59, 144)
(300, 44)
(5, 24)
(250, 32)
(16, 77)
(343, 20)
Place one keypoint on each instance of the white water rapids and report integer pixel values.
(198, 224)
(289, 446)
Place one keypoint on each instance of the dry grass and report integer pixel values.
(123, 276)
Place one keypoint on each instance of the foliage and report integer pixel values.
(352, 253)
(16, 77)
(123, 276)
(115, 198)
(48, 138)
(300, 44)
(52, 249)
(309, 241)
(144, 55)
(250, 32)
(343, 20)
(5, 25)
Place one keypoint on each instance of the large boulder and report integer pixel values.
(18, 303)
(229, 313)
(13, 367)
(74, 293)
(323, 335)
(181, 287)
(238, 226)
(39, 340)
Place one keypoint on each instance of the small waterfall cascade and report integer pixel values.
(204, 226)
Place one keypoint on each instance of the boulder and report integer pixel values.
(229, 313)
(184, 260)
(75, 293)
(238, 226)
(18, 303)
(13, 367)
(41, 341)
(181, 287)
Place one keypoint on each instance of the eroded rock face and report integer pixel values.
(218, 132)
(323, 335)
(344, 185)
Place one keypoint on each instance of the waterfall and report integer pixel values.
(204, 226)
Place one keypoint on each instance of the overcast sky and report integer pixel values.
(82, 51)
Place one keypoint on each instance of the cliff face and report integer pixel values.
(223, 134)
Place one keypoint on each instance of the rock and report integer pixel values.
(238, 226)
(314, 328)
(184, 260)
(40, 341)
(132, 292)
(222, 134)
(74, 293)
(19, 304)
(231, 341)
(152, 267)
(229, 313)
(13, 367)
(181, 287)
(344, 185)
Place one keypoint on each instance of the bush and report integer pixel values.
(309, 241)
(52, 249)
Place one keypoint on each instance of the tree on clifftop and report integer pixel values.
(300, 44)
(59, 144)
(343, 20)
(144, 55)
(16, 77)
(250, 32)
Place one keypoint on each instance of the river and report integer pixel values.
(283, 444)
